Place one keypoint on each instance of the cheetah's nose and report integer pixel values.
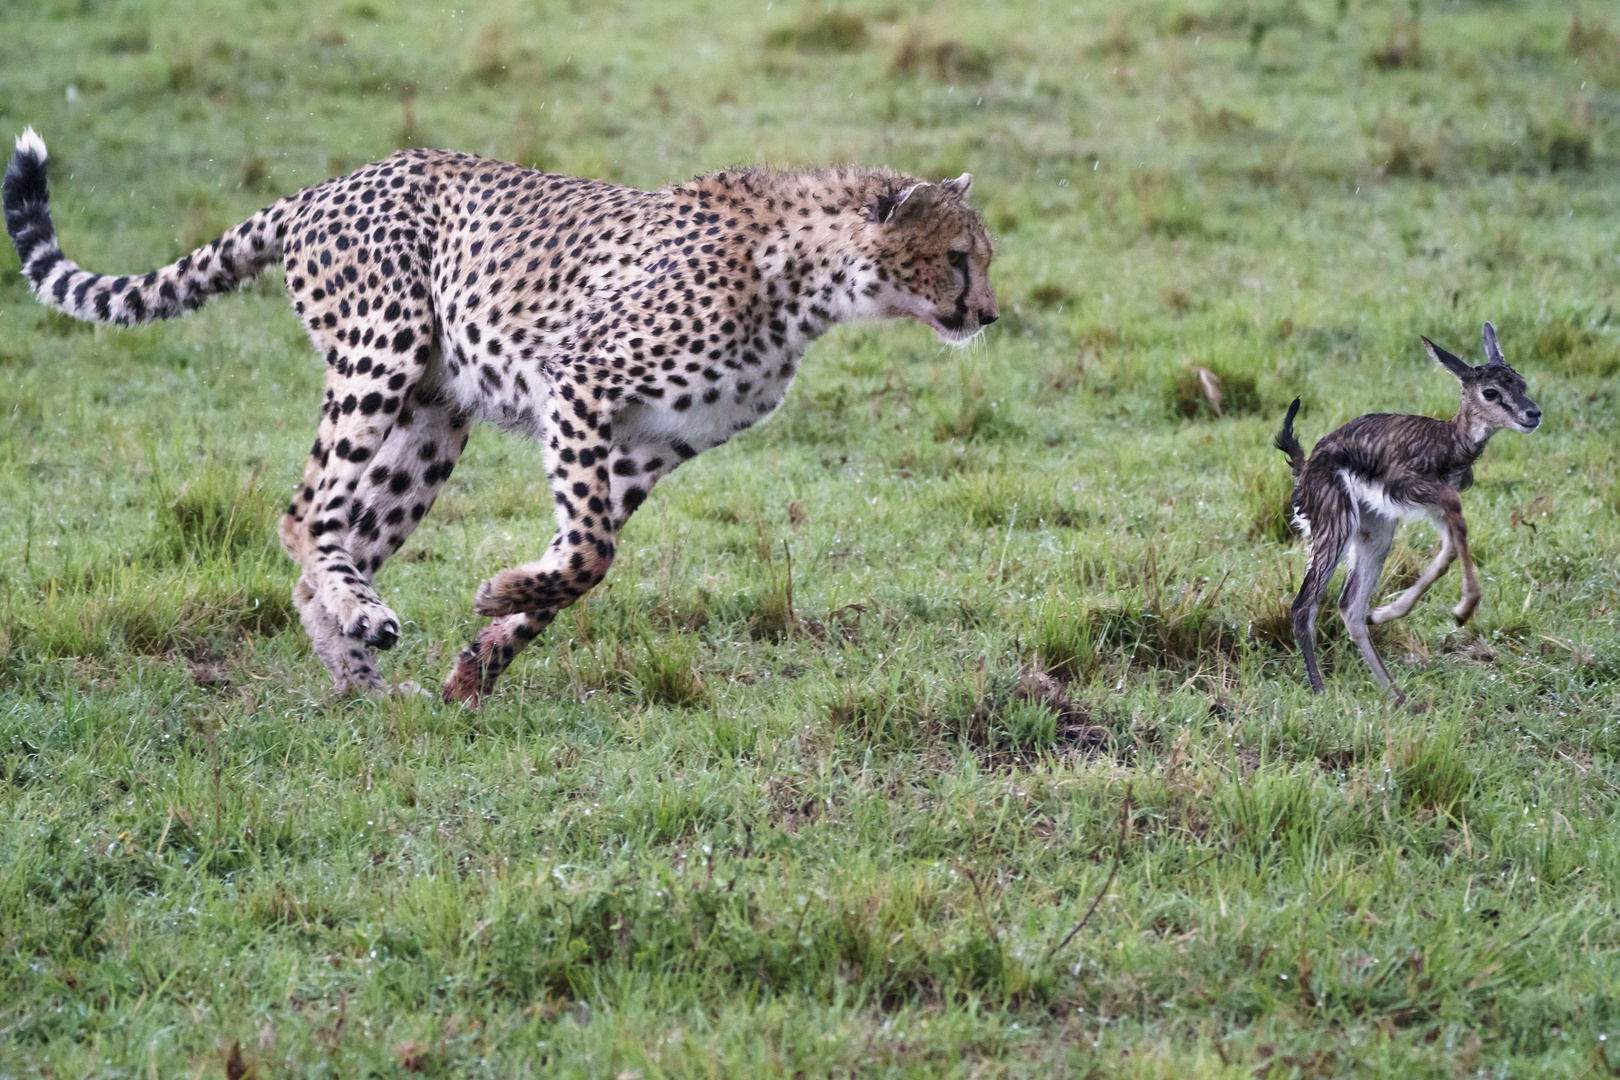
(987, 317)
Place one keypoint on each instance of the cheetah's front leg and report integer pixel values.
(525, 599)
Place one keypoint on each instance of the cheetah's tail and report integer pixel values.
(58, 282)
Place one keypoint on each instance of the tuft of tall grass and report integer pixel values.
(1433, 772)
(1004, 715)
(1164, 623)
(1402, 48)
(216, 514)
(998, 498)
(132, 610)
(667, 672)
(1268, 502)
(1275, 818)
(974, 416)
(1066, 645)
(923, 50)
(773, 618)
(1169, 208)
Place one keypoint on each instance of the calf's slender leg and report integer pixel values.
(1458, 528)
(1331, 520)
(1368, 550)
(1447, 504)
(1402, 604)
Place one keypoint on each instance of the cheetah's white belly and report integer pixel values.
(701, 424)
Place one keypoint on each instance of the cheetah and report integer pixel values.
(626, 330)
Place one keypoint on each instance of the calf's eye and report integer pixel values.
(1492, 395)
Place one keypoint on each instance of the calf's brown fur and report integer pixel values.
(1361, 481)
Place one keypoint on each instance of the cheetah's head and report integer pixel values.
(933, 258)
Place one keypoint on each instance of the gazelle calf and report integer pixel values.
(1361, 481)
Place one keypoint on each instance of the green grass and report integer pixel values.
(824, 775)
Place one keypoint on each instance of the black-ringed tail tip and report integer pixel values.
(26, 199)
(25, 176)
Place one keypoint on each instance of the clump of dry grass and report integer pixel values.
(922, 51)
(820, 30)
(1196, 391)
(1403, 48)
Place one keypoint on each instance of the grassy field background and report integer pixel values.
(881, 697)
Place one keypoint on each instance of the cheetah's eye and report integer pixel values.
(957, 259)
(1491, 395)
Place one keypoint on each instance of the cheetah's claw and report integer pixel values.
(384, 637)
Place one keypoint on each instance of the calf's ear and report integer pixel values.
(1454, 364)
(1493, 351)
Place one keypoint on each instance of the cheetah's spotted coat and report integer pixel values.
(626, 330)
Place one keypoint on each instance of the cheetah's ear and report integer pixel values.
(960, 186)
(905, 203)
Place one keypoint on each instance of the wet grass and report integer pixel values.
(882, 697)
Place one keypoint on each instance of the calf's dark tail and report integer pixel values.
(1287, 443)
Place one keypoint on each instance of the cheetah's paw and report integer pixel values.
(370, 621)
(496, 597)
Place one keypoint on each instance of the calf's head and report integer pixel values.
(1493, 394)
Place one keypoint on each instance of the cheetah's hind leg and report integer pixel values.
(350, 663)
(398, 488)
